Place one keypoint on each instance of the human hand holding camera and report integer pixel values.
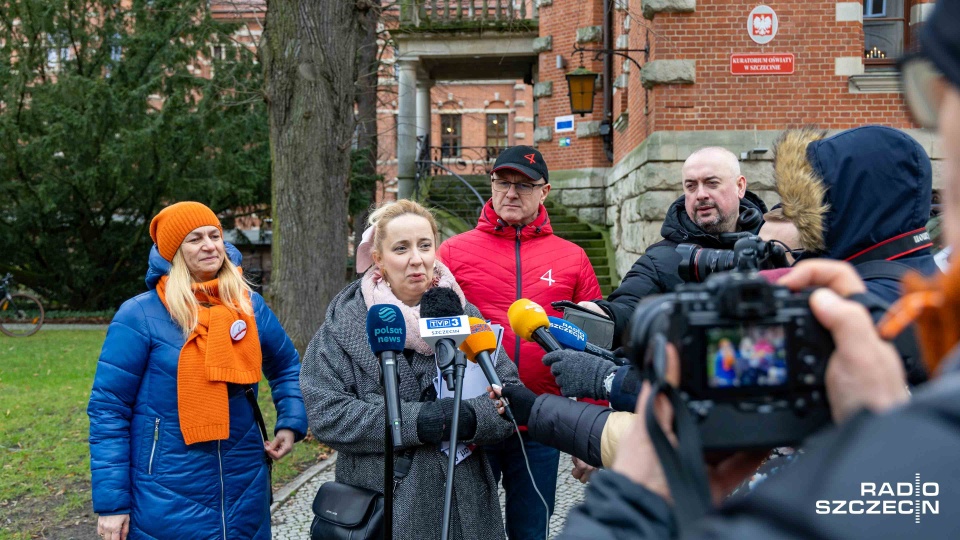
(638, 460)
(864, 371)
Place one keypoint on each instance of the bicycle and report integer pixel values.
(21, 314)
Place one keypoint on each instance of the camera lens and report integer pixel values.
(696, 263)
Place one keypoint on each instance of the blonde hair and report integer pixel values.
(382, 216)
(182, 302)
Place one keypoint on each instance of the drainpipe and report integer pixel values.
(606, 124)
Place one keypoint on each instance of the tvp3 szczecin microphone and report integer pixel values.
(443, 326)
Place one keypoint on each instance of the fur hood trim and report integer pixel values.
(801, 188)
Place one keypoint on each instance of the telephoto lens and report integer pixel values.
(696, 263)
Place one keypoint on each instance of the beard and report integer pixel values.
(712, 225)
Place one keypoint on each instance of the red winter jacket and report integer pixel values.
(496, 264)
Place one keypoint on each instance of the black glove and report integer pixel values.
(579, 374)
(521, 402)
(436, 419)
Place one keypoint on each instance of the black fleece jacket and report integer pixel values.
(656, 272)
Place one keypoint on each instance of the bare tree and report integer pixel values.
(367, 88)
(310, 64)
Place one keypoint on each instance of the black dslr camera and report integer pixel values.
(749, 252)
(752, 357)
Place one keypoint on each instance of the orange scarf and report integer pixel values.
(209, 360)
(934, 304)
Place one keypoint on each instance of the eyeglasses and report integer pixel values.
(923, 88)
(523, 188)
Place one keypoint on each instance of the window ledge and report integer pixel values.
(875, 82)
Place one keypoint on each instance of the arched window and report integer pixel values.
(497, 138)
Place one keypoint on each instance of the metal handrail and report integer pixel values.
(457, 176)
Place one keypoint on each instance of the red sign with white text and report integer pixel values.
(761, 64)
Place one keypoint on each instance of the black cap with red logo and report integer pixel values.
(526, 160)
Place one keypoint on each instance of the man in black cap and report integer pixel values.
(889, 467)
(511, 254)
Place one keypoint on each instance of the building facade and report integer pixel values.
(683, 74)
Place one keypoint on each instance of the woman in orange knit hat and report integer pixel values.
(175, 449)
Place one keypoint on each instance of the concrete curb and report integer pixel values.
(283, 494)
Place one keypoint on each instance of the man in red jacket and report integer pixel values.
(513, 254)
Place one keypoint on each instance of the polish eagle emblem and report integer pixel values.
(762, 25)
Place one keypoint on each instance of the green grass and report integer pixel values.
(45, 384)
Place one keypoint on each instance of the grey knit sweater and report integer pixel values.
(340, 379)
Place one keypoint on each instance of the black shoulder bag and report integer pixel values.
(345, 512)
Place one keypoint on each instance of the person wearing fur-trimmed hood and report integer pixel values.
(861, 196)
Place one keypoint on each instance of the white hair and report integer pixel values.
(723, 156)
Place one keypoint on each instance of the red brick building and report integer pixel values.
(699, 73)
(468, 77)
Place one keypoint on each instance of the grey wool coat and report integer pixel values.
(340, 379)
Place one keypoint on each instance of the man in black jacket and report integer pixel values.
(715, 200)
(889, 468)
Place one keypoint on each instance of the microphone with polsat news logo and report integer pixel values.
(387, 333)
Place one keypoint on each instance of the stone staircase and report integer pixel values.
(457, 210)
(593, 239)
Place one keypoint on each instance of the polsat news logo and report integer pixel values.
(900, 498)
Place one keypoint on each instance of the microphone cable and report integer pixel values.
(526, 461)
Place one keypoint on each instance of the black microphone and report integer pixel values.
(443, 326)
(387, 333)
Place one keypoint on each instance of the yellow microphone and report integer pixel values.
(478, 346)
(529, 321)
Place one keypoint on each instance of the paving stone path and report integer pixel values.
(292, 517)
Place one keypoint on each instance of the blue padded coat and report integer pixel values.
(138, 459)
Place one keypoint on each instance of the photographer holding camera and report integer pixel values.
(875, 442)
(715, 200)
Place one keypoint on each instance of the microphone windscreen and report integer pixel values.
(481, 338)
(440, 302)
(386, 329)
(569, 335)
(525, 317)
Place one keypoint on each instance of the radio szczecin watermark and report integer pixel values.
(900, 498)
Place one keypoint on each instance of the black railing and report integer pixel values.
(439, 181)
(461, 159)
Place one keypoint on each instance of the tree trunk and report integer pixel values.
(369, 66)
(310, 67)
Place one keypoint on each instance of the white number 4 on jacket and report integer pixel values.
(548, 277)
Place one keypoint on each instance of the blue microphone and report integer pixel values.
(387, 333)
(570, 336)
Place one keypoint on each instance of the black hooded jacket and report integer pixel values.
(656, 271)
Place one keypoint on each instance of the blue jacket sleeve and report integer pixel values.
(281, 365)
(120, 369)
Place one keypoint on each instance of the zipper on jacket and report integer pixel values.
(153, 449)
(516, 353)
(223, 515)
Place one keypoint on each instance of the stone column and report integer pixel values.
(406, 128)
(423, 108)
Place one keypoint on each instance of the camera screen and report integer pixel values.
(745, 356)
